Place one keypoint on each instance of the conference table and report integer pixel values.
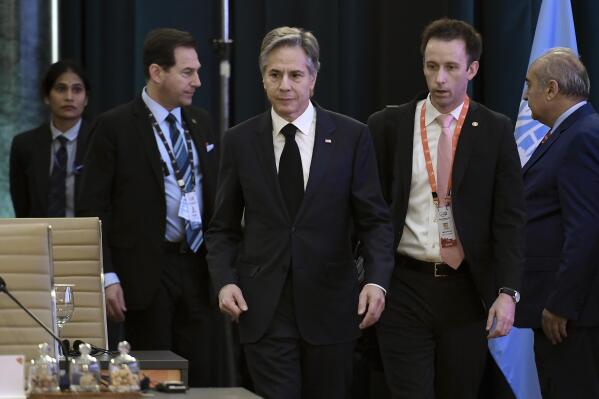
(206, 393)
(192, 393)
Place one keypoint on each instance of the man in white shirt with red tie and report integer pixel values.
(449, 169)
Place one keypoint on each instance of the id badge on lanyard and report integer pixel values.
(189, 209)
(445, 221)
(446, 226)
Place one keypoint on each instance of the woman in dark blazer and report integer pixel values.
(45, 162)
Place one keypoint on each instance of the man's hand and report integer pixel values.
(115, 302)
(502, 312)
(372, 298)
(231, 302)
(554, 327)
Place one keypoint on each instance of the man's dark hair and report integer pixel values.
(449, 29)
(57, 69)
(160, 45)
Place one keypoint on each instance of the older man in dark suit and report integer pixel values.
(450, 171)
(151, 178)
(561, 184)
(301, 177)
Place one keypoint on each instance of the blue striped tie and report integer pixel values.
(193, 231)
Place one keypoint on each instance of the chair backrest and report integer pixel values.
(77, 256)
(26, 267)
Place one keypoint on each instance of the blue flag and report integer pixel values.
(514, 354)
(555, 28)
(515, 357)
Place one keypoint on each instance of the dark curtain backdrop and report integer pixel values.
(106, 37)
(369, 49)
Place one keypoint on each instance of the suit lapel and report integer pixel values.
(543, 148)
(403, 159)
(82, 138)
(42, 159)
(266, 154)
(147, 139)
(201, 135)
(81, 150)
(198, 137)
(322, 151)
(466, 143)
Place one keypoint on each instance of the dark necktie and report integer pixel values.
(291, 176)
(57, 187)
(193, 231)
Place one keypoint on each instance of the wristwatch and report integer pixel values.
(513, 293)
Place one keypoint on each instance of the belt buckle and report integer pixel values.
(437, 273)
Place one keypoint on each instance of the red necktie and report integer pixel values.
(453, 256)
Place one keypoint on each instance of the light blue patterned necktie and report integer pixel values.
(193, 231)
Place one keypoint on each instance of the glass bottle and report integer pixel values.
(85, 371)
(43, 372)
(124, 370)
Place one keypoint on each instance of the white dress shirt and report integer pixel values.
(306, 124)
(420, 238)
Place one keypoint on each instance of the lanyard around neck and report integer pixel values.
(427, 154)
(178, 173)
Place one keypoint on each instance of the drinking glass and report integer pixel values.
(65, 305)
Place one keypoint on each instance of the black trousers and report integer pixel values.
(180, 318)
(432, 334)
(284, 366)
(570, 369)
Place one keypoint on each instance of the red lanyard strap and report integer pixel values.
(425, 148)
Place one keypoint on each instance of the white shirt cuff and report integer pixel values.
(110, 279)
(376, 285)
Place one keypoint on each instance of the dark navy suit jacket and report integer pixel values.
(123, 184)
(342, 189)
(561, 182)
(30, 169)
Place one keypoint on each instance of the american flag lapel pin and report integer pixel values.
(328, 141)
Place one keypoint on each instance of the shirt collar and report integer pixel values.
(303, 122)
(432, 113)
(160, 113)
(70, 134)
(566, 114)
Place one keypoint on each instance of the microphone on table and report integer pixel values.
(64, 344)
(95, 350)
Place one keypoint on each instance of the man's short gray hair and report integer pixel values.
(291, 37)
(563, 65)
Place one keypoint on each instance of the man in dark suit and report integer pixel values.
(458, 224)
(46, 162)
(151, 178)
(300, 176)
(560, 285)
